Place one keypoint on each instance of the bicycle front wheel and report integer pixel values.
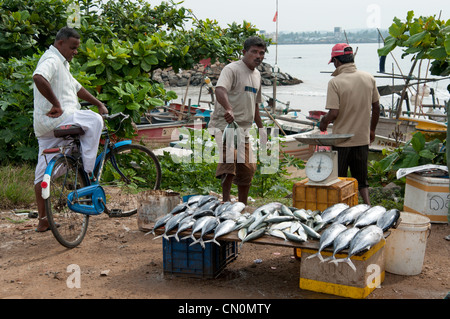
(68, 227)
(129, 170)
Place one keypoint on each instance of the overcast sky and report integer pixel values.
(313, 15)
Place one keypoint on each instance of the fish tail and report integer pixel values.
(350, 263)
(312, 256)
(150, 232)
(176, 237)
(158, 236)
(329, 259)
(195, 241)
(336, 261)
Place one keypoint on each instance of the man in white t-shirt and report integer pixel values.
(238, 93)
(56, 94)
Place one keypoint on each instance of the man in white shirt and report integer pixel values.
(56, 94)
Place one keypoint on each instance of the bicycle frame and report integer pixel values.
(94, 190)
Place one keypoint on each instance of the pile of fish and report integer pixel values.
(355, 228)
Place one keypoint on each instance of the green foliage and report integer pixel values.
(16, 187)
(423, 37)
(123, 42)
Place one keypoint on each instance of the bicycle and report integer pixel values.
(71, 196)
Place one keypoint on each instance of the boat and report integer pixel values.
(162, 125)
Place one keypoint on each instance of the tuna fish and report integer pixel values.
(198, 225)
(310, 232)
(349, 215)
(327, 239)
(302, 215)
(172, 223)
(254, 235)
(277, 233)
(329, 214)
(160, 223)
(296, 237)
(388, 219)
(185, 224)
(208, 227)
(342, 241)
(222, 229)
(364, 239)
(370, 216)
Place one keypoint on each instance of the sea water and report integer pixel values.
(309, 63)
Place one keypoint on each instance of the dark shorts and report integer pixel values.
(355, 158)
(242, 166)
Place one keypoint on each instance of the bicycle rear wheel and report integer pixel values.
(68, 227)
(141, 171)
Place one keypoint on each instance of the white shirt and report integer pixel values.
(56, 70)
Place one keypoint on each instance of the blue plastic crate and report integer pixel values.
(193, 261)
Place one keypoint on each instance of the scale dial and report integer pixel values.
(319, 167)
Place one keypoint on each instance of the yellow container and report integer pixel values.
(321, 197)
(341, 279)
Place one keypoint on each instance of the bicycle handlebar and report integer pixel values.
(108, 116)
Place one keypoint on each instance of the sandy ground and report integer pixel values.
(116, 260)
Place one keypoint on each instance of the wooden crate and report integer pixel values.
(342, 280)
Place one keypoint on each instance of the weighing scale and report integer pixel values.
(322, 168)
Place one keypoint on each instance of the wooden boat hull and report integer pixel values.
(164, 133)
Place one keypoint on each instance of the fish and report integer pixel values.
(350, 214)
(388, 219)
(208, 227)
(230, 214)
(370, 216)
(198, 213)
(160, 223)
(205, 199)
(269, 208)
(327, 239)
(246, 223)
(198, 225)
(254, 235)
(194, 199)
(329, 214)
(342, 241)
(172, 223)
(221, 208)
(364, 239)
(237, 207)
(277, 233)
(222, 229)
(179, 208)
(301, 214)
(285, 211)
(296, 237)
(185, 224)
(242, 233)
(310, 232)
(278, 219)
(282, 225)
(257, 222)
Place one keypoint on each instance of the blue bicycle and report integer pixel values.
(71, 196)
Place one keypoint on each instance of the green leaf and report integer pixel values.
(427, 154)
(415, 39)
(389, 45)
(418, 142)
(133, 106)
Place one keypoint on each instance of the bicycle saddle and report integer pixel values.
(68, 130)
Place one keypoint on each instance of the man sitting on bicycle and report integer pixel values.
(56, 103)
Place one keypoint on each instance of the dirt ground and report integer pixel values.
(116, 260)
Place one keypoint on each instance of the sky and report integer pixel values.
(313, 15)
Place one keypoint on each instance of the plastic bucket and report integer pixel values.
(154, 204)
(405, 247)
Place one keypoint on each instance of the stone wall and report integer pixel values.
(169, 78)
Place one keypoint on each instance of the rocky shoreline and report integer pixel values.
(195, 77)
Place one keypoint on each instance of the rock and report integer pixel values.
(169, 78)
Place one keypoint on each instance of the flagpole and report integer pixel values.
(275, 70)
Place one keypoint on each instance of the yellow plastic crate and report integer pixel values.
(321, 197)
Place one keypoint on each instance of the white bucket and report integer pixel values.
(405, 247)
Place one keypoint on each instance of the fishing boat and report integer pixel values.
(162, 125)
